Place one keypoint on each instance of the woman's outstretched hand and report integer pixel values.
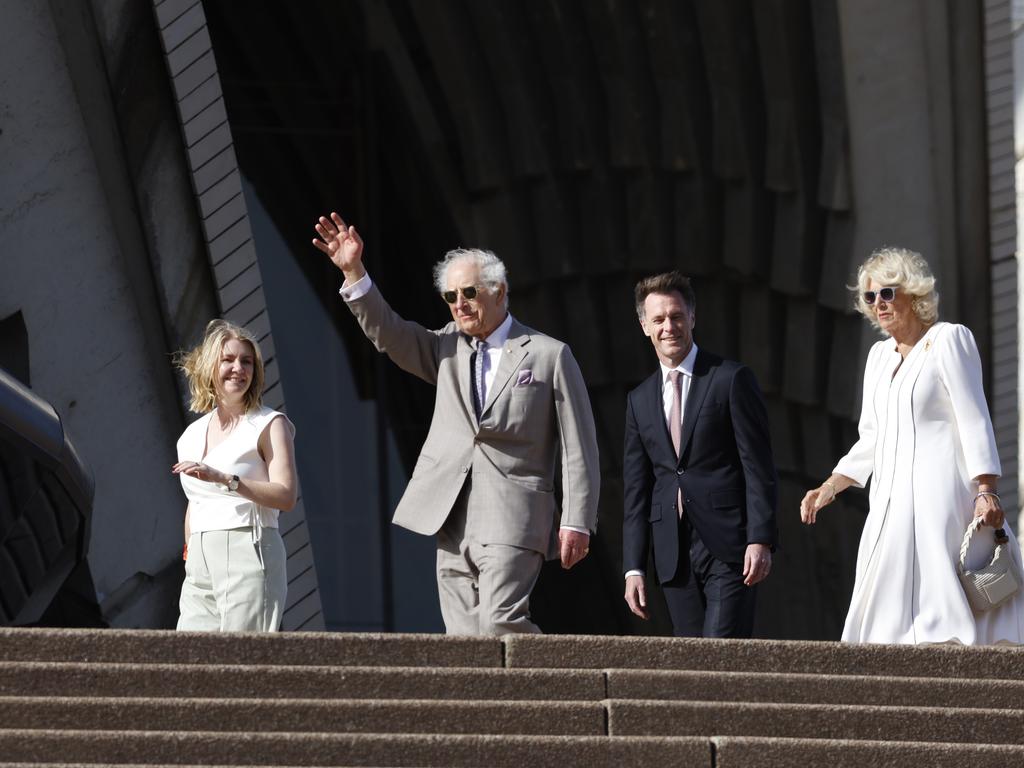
(814, 500)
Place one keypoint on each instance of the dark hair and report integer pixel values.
(666, 282)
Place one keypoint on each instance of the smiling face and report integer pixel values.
(895, 317)
(234, 371)
(476, 317)
(668, 322)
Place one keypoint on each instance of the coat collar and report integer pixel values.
(704, 368)
(464, 356)
(512, 354)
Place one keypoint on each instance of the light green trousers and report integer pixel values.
(232, 583)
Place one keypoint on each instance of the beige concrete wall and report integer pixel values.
(92, 348)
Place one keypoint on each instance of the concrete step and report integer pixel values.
(141, 646)
(821, 721)
(737, 752)
(519, 652)
(34, 678)
(304, 715)
(542, 752)
(305, 749)
(595, 652)
(779, 687)
(386, 683)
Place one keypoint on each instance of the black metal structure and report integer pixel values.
(46, 494)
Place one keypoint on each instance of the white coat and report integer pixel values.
(925, 436)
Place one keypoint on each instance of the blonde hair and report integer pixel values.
(904, 270)
(200, 366)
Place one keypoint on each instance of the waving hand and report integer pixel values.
(342, 244)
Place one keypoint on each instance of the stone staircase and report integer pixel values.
(107, 697)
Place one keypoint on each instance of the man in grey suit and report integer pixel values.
(511, 405)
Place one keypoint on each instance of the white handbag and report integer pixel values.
(995, 583)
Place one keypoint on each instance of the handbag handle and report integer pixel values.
(976, 524)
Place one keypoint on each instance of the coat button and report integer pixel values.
(680, 471)
(464, 469)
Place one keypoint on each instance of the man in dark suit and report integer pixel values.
(700, 483)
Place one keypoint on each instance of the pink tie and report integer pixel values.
(675, 423)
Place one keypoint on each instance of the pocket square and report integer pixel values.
(524, 377)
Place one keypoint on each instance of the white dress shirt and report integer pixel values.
(686, 368)
(495, 346)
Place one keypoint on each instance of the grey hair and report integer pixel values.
(903, 269)
(492, 269)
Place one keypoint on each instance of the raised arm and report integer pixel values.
(410, 346)
(342, 244)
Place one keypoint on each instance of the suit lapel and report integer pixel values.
(464, 368)
(703, 373)
(656, 402)
(511, 358)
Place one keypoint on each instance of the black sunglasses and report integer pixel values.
(468, 293)
(885, 294)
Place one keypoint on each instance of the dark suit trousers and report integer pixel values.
(707, 597)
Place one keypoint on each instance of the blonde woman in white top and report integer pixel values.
(237, 467)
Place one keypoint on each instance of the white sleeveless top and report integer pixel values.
(214, 508)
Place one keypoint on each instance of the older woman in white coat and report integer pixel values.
(926, 443)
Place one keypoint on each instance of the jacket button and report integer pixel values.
(680, 471)
(464, 469)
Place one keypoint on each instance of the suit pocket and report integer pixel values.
(655, 515)
(724, 499)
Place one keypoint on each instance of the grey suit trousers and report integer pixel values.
(484, 589)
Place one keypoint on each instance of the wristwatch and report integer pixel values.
(233, 483)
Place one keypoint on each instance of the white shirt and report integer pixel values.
(496, 343)
(686, 368)
(214, 507)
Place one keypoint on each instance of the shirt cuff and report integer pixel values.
(575, 528)
(356, 290)
(634, 573)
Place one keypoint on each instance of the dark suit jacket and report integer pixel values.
(726, 472)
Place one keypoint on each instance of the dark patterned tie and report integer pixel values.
(675, 423)
(480, 360)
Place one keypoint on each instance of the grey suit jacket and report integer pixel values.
(537, 416)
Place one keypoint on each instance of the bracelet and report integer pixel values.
(988, 493)
(831, 485)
